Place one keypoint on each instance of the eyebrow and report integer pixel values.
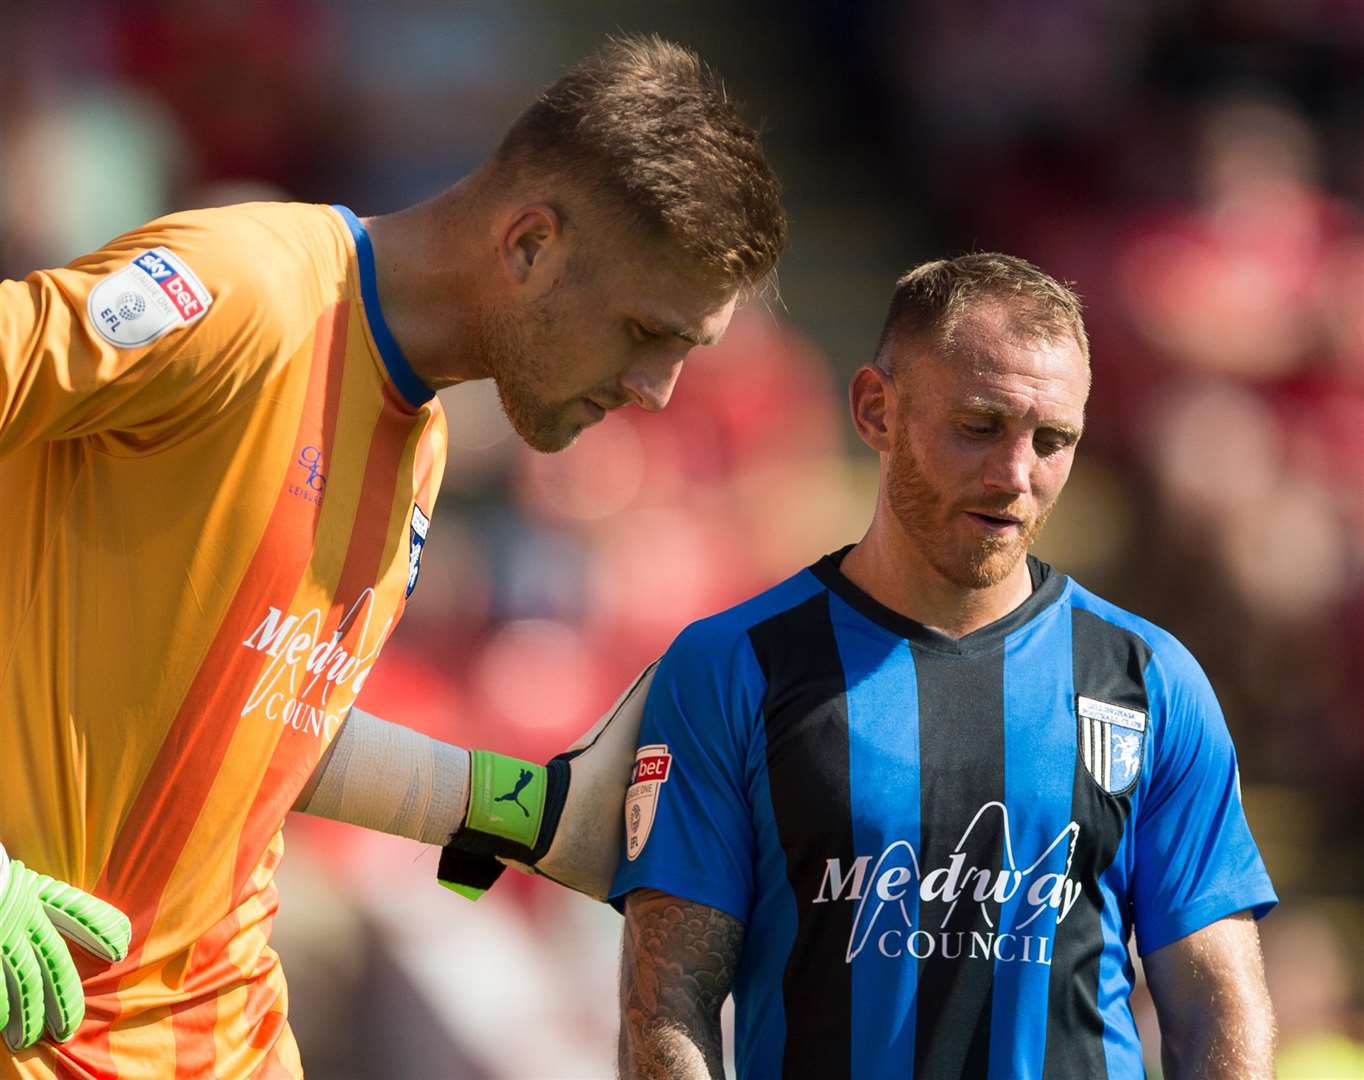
(690, 336)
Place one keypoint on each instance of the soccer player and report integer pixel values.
(219, 455)
(911, 804)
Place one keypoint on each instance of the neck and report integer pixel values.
(888, 566)
(427, 269)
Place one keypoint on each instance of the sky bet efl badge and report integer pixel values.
(1112, 742)
(641, 800)
(151, 296)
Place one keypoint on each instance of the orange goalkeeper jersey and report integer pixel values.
(217, 470)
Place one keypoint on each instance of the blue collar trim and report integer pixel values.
(413, 390)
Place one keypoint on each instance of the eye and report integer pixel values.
(978, 429)
(640, 332)
(1049, 443)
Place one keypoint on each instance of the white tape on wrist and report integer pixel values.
(390, 778)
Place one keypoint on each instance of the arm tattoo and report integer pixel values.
(677, 965)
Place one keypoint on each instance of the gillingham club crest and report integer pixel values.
(416, 541)
(1112, 743)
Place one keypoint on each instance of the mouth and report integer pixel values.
(995, 524)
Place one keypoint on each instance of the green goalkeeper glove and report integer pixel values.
(563, 820)
(514, 810)
(40, 981)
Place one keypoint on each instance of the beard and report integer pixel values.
(515, 348)
(925, 515)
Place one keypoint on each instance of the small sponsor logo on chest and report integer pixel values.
(307, 481)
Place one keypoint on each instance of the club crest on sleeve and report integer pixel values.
(1112, 743)
(650, 772)
(416, 542)
(155, 293)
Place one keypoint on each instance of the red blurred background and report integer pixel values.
(1195, 168)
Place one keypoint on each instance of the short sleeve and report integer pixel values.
(171, 320)
(688, 818)
(1196, 861)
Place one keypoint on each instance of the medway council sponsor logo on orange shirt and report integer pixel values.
(306, 665)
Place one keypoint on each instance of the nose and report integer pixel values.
(1008, 468)
(650, 383)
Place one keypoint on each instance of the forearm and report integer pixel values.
(677, 964)
(1216, 1019)
(486, 809)
(1233, 1041)
(387, 777)
(668, 1053)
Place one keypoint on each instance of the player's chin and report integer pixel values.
(551, 434)
(991, 562)
(553, 442)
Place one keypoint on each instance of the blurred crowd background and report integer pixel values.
(1195, 168)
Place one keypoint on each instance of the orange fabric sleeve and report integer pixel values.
(144, 338)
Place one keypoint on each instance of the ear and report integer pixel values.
(873, 398)
(528, 242)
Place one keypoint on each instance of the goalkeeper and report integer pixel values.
(220, 451)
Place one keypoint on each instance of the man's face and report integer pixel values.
(983, 444)
(611, 331)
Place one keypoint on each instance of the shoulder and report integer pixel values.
(261, 258)
(710, 677)
(718, 639)
(285, 224)
(244, 230)
(1169, 668)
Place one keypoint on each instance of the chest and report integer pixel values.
(940, 779)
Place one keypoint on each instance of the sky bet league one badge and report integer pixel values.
(647, 778)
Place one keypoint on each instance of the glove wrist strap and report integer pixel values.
(468, 863)
(506, 798)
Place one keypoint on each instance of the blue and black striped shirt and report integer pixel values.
(940, 848)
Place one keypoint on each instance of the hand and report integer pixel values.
(563, 820)
(40, 981)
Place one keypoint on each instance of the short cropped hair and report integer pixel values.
(645, 123)
(932, 299)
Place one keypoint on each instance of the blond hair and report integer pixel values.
(644, 124)
(931, 300)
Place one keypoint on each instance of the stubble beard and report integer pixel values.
(514, 348)
(923, 514)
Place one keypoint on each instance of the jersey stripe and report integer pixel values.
(368, 534)
(1039, 762)
(368, 529)
(1108, 663)
(152, 837)
(961, 755)
(883, 770)
(283, 1062)
(192, 1023)
(218, 964)
(214, 969)
(281, 780)
(805, 717)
